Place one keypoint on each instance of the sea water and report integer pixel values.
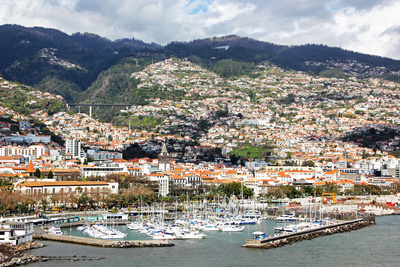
(376, 245)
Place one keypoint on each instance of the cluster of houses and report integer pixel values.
(168, 174)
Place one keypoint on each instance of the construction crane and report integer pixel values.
(328, 196)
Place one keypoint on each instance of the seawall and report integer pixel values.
(278, 241)
(104, 243)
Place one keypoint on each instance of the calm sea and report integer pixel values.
(376, 245)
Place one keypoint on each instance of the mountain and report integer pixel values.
(59, 63)
(84, 65)
(250, 50)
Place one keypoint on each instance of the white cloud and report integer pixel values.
(366, 26)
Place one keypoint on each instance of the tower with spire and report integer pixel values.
(164, 161)
(31, 170)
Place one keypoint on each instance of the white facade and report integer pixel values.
(29, 139)
(164, 162)
(103, 170)
(35, 151)
(59, 187)
(255, 164)
(73, 147)
(163, 183)
(103, 155)
(16, 232)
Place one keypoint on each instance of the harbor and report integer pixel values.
(376, 246)
(195, 227)
(296, 229)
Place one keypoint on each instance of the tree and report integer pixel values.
(14, 127)
(50, 175)
(85, 201)
(289, 191)
(309, 190)
(308, 163)
(38, 174)
(330, 187)
(236, 189)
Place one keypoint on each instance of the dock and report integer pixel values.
(278, 241)
(103, 243)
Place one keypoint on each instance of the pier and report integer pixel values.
(103, 243)
(278, 241)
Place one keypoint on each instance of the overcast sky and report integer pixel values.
(367, 26)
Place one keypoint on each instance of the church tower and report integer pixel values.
(164, 162)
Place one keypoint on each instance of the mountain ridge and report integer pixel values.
(75, 62)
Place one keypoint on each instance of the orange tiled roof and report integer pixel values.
(30, 169)
(60, 183)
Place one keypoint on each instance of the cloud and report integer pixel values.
(367, 26)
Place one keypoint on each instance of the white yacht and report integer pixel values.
(231, 228)
(55, 230)
(289, 217)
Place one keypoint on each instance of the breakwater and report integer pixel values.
(11, 255)
(287, 239)
(104, 243)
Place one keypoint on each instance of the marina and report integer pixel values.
(288, 229)
(376, 245)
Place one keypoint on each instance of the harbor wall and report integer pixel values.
(278, 241)
(103, 243)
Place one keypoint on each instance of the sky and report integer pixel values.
(366, 26)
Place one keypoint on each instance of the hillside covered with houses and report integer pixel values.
(279, 133)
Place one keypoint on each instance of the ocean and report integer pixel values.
(376, 245)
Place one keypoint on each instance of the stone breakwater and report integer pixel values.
(289, 239)
(104, 243)
(140, 244)
(11, 255)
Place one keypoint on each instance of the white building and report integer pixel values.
(49, 188)
(255, 164)
(36, 151)
(28, 139)
(103, 155)
(73, 147)
(104, 169)
(164, 161)
(163, 183)
(16, 232)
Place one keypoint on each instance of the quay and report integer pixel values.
(103, 243)
(278, 241)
